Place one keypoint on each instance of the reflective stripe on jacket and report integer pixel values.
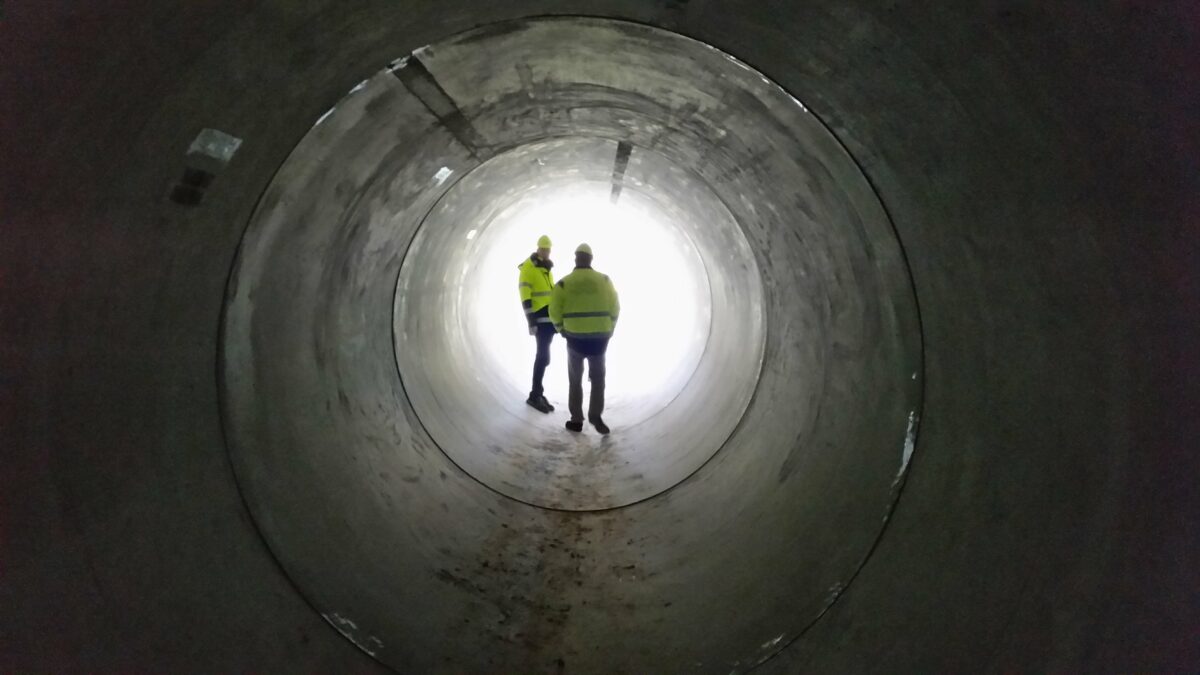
(585, 305)
(536, 285)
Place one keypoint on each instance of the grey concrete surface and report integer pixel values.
(1038, 163)
(341, 476)
(466, 400)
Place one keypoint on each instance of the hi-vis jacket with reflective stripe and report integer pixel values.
(585, 305)
(536, 286)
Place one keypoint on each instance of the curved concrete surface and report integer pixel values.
(338, 460)
(452, 375)
(1038, 165)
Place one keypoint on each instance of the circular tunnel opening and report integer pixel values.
(464, 354)
(644, 253)
(376, 422)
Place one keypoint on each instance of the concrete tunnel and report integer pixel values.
(919, 392)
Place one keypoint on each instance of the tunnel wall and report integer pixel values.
(368, 517)
(1039, 166)
(449, 409)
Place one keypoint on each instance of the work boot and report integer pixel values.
(575, 426)
(539, 404)
(600, 425)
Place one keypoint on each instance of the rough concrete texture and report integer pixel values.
(1038, 164)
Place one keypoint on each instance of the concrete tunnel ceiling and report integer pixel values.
(242, 442)
(809, 308)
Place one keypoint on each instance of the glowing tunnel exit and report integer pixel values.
(466, 357)
(665, 301)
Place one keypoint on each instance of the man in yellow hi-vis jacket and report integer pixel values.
(536, 285)
(584, 308)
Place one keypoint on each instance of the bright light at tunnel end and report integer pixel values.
(665, 310)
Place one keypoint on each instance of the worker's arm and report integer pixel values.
(526, 289)
(557, 299)
(614, 304)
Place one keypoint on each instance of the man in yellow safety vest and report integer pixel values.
(537, 286)
(584, 308)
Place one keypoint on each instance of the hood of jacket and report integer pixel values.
(537, 262)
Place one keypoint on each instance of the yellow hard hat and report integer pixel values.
(543, 241)
(584, 248)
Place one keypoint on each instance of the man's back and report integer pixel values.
(585, 305)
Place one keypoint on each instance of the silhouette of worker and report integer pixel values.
(537, 286)
(584, 308)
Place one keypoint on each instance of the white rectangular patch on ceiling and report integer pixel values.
(215, 144)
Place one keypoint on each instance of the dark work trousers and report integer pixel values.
(545, 333)
(593, 352)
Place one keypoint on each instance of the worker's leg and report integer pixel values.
(545, 334)
(575, 379)
(597, 371)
